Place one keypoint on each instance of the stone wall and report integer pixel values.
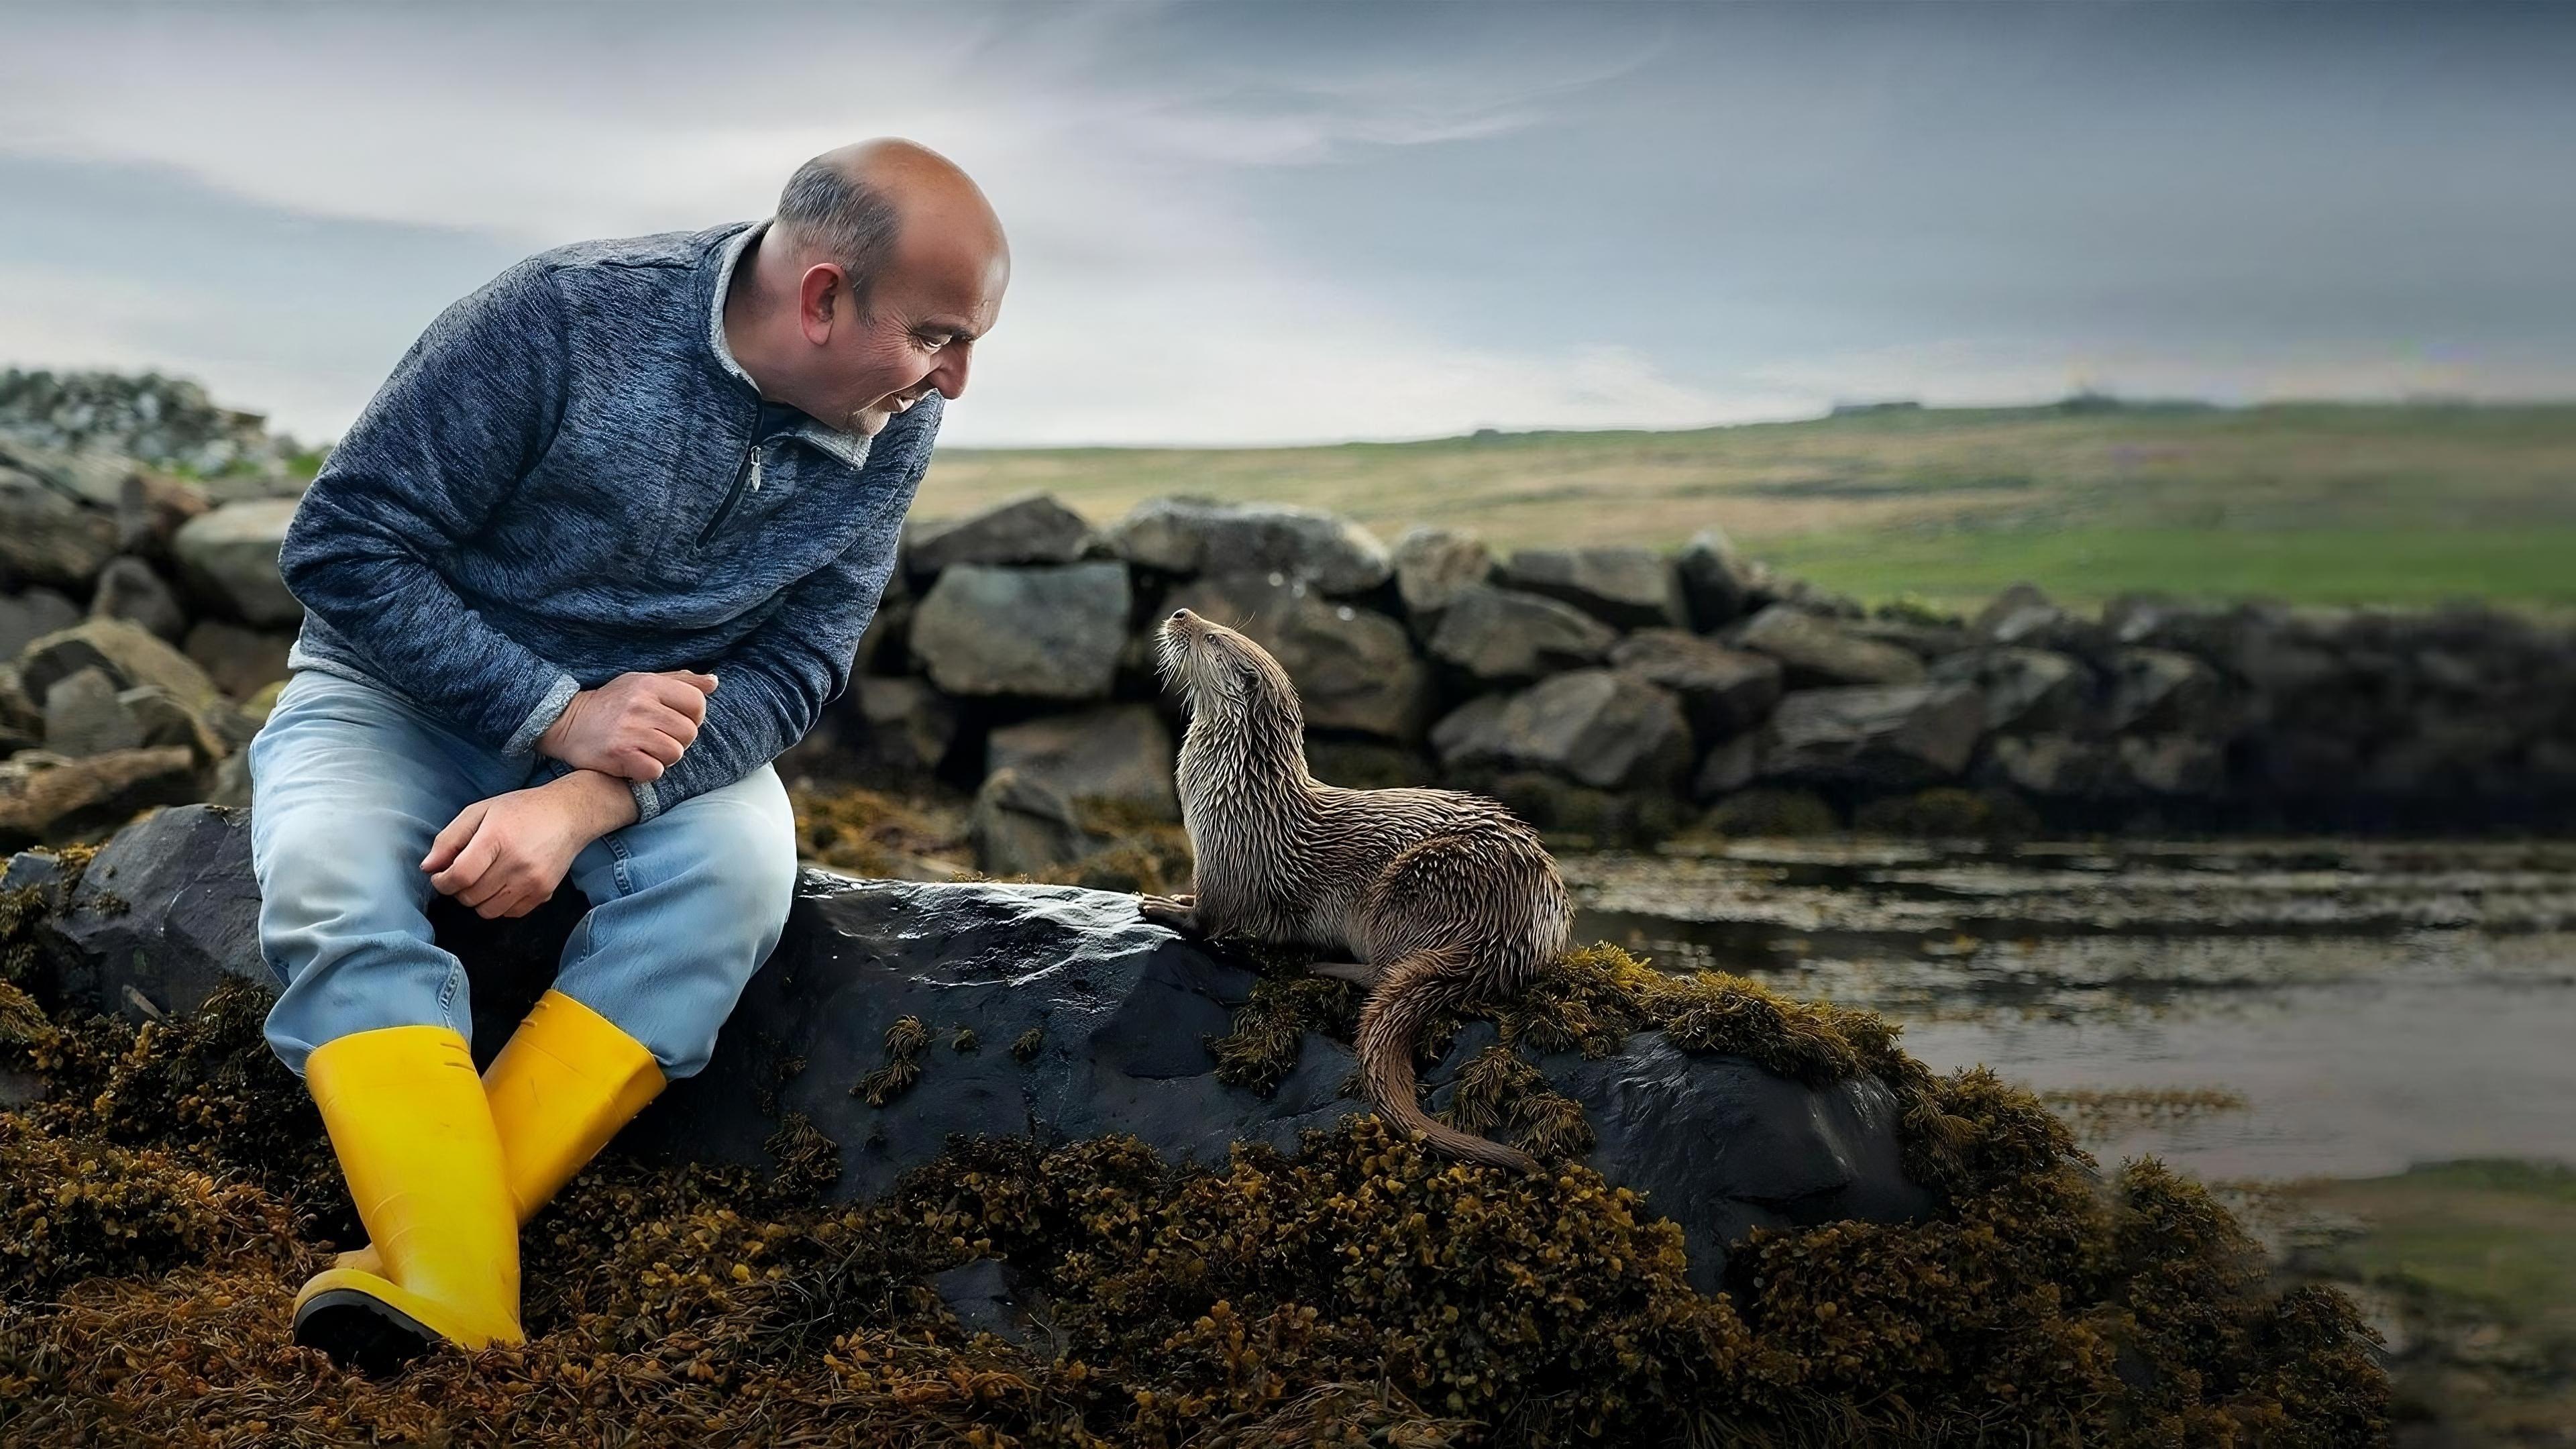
(1625, 693)
(1615, 693)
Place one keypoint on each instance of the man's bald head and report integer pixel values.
(857, 204)
(883, 268)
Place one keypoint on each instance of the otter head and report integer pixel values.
(1227, 680)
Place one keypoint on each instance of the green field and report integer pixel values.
(2308, 503)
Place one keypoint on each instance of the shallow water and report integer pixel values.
(2273, 1010)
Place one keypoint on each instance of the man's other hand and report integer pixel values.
(634, 727)
(507, 855)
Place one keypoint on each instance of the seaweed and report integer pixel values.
(157, 1210)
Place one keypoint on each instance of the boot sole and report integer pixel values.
(361, 1331)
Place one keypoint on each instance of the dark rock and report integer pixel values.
(1354, 668)
(2022, 615)
(49, 535)
(1120, 1012)
(1924, 640)
(1627, 588)
(1119, 753)
(1201, 536)
(1717, 583)
(1583, 816)
(168, 908)
(1815, 651)
(1367, 764)
(1723, 691)
(229, 556)
(238, 660)
(1501, 636)
(2055, 766)
(83, 717)
(2173, 764)
(2024, 689)
(1901, 736)
(1433, 566)
(991, 1296)
(2158, 690)
(1729, 766)
(151, 508)
(1020, 826)
(1033, 528)
(1048, 632)
(129, 589)
(1596, 727)
(903, 729)
(29, 616)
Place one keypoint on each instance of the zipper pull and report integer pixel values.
(755, 467)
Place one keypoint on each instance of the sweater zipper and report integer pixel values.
(748, 468)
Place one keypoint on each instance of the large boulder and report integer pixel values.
(1596, 727)
(1724, 691)
(1031, 529)
(895, 1015)
(1892, 737)
(1433, 567)
(1628, 587)
(83, 716)
(1119, 754)
(1354, 668)
(1202, 536)
(229, 554)
(1817, 652)
(1503, 636)
(1047, 632)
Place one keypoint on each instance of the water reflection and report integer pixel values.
(2271, 1010)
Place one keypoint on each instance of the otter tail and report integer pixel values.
(1414, 989)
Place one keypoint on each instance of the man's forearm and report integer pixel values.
(602, 802)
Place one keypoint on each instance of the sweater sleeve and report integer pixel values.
(772, 685)
(466, 413)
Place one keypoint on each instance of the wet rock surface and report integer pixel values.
(895, 1014)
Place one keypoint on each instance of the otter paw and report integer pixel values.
(1176, 912)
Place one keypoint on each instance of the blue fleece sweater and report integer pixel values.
(566, 479)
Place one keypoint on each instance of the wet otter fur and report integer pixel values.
(1440, 896)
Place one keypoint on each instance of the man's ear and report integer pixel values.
(818, 300)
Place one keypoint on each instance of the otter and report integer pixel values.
(1440, 896)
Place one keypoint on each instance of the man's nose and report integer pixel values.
(949, 377)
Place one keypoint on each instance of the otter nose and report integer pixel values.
(1179, 614)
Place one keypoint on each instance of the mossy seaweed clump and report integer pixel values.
(1356, 1291)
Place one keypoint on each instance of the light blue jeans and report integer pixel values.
(350, 784)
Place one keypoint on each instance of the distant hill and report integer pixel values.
(2312, 503)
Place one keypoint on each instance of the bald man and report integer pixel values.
(599, 551)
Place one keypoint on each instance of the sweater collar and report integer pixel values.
(849, 448)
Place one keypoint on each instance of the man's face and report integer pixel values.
(914, 333)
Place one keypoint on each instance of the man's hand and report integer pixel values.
(634, 726)
(506, 856)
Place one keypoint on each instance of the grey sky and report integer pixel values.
(1239, 223)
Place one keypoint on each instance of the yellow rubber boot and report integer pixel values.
(562, 1086)
(416, 1143)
